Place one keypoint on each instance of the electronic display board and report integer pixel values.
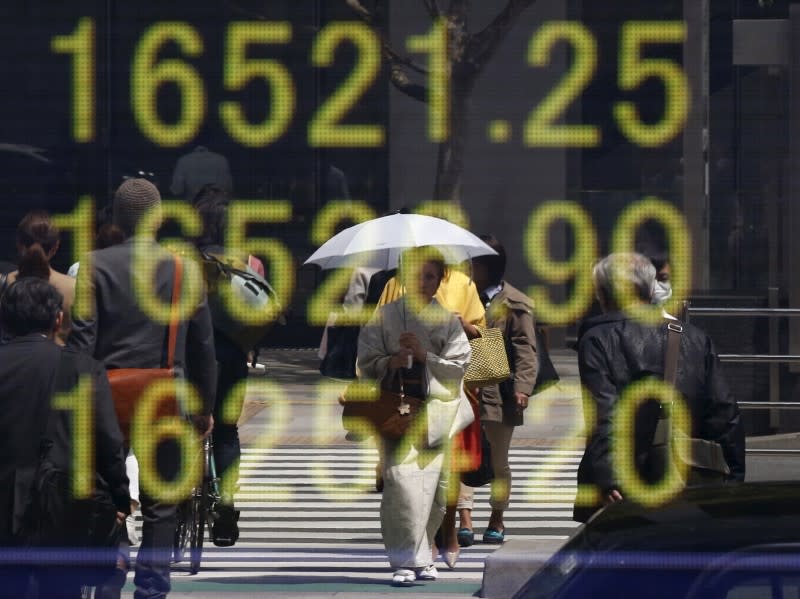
(303, 99)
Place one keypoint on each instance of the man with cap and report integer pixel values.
(124, 282)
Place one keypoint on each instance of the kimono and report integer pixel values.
(415, 481)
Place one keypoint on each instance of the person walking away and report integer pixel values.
(616, 350)
(37, 436)
(120, 333)
(38, 240)
(502, 405)
(211, 204)
(414, 329)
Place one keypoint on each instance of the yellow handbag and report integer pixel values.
(489, 363)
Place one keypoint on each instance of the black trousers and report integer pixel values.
(158, 529)
(232, 369)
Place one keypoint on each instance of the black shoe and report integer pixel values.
(225, 530)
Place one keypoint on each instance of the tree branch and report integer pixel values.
(401, 81)
(482, 46)
(433, 8)
(361, 11)
(394, 58)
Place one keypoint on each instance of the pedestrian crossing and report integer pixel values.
(313, 512)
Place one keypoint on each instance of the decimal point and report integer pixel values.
(499, 131)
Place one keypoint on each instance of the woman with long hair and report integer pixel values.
(37, 242)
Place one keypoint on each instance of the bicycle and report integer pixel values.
(197, 511)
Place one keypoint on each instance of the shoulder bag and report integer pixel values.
(128, 385)
(489, 362)
(699, 461)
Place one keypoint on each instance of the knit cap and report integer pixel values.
(132, 200)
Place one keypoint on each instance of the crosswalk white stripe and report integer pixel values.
(313, 513)
(264, 514)
(359, 525)
(372, 502)
(254, 484)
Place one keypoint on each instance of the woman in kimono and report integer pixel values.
(418, 338)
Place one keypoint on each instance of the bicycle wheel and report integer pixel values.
(197, 529)
(182, 527)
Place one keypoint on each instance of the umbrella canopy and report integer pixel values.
(380, 241)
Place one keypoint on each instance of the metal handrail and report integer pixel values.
(775, 312)
(773, 359)
(765, 405)
(762, 358)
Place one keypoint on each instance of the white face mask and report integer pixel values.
(662, 292)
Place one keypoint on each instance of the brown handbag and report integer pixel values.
(389, 413)
(129, 384)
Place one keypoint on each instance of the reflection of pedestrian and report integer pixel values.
(616, 351)
(502, 405)
(198, 167)
(414, 335)
(122, 335)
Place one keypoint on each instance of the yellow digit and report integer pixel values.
(578, 267)
(80, 223)
(240, 70)
(147, 262)
(623, 437)
(80, 402)
(326, 129)
(435, 43)
(148, 430)
(148, 75)
(540, 128)
(634, 70)
(447, 209)
(326, 428)
(272, 397)
(566, 454)
(679, 242)
(242, 213)
(328, 296)
(80, 44)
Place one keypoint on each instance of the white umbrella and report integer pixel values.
(380, 241)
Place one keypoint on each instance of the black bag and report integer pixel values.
(340, 358)
(86, 528)
(546, 375)
(484, 473)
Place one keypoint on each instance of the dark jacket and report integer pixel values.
(32, 369)
(511, 311)
(615, 351)
(121, 335)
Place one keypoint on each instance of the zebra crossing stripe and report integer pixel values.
(320, 505)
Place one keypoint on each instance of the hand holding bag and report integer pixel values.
(129, 384)
(391, 413)
(489, 362)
